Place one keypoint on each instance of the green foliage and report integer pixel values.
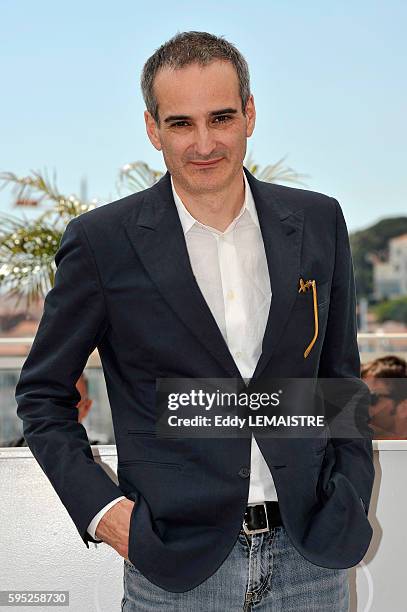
(392, 310)
(28, 247)
(27, 250)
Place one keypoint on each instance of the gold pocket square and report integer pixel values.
(304, 287)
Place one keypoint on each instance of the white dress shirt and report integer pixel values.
(231, 270)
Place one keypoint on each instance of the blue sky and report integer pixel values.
(328, 80)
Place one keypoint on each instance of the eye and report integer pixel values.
(225, 118)
(179, 124)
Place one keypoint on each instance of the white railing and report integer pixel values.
(371, 345)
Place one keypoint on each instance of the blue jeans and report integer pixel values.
(262, 572)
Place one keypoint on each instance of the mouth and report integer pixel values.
(207, 164)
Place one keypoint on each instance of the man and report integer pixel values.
(205, 275)
(386, 378)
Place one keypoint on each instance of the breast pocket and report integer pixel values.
(305, 301)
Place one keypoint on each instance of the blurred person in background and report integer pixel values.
(84, 405)
(386, 378)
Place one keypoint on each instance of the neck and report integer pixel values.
(216, 209)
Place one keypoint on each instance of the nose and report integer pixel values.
(205, 142)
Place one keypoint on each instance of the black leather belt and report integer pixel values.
(262, 517)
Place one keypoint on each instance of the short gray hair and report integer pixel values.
(188, 48)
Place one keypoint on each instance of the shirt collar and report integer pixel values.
(187, 220)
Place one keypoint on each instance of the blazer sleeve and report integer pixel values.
(72, 324)
(340, 359)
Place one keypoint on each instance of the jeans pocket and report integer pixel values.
(129, 565)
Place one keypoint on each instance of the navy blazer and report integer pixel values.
(124, 284)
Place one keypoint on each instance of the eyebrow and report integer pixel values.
(223, 111)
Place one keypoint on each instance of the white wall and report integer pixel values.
(40, 547)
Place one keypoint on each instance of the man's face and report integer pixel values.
(382, 412)
(201, 120)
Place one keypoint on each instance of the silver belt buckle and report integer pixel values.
(252, 531)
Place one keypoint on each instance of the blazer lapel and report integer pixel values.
(156, 235)
(282, 230)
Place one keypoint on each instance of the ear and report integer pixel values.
(250, 116)
(152, 130)
(84, 410)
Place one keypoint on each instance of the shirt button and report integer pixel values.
(230, 294)
(238, 354)
(244, 472)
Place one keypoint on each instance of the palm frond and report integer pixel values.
(274, 173)
(137, 176)
(27, 250)
(38, 186)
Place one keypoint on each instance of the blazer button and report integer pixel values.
(244, 472)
